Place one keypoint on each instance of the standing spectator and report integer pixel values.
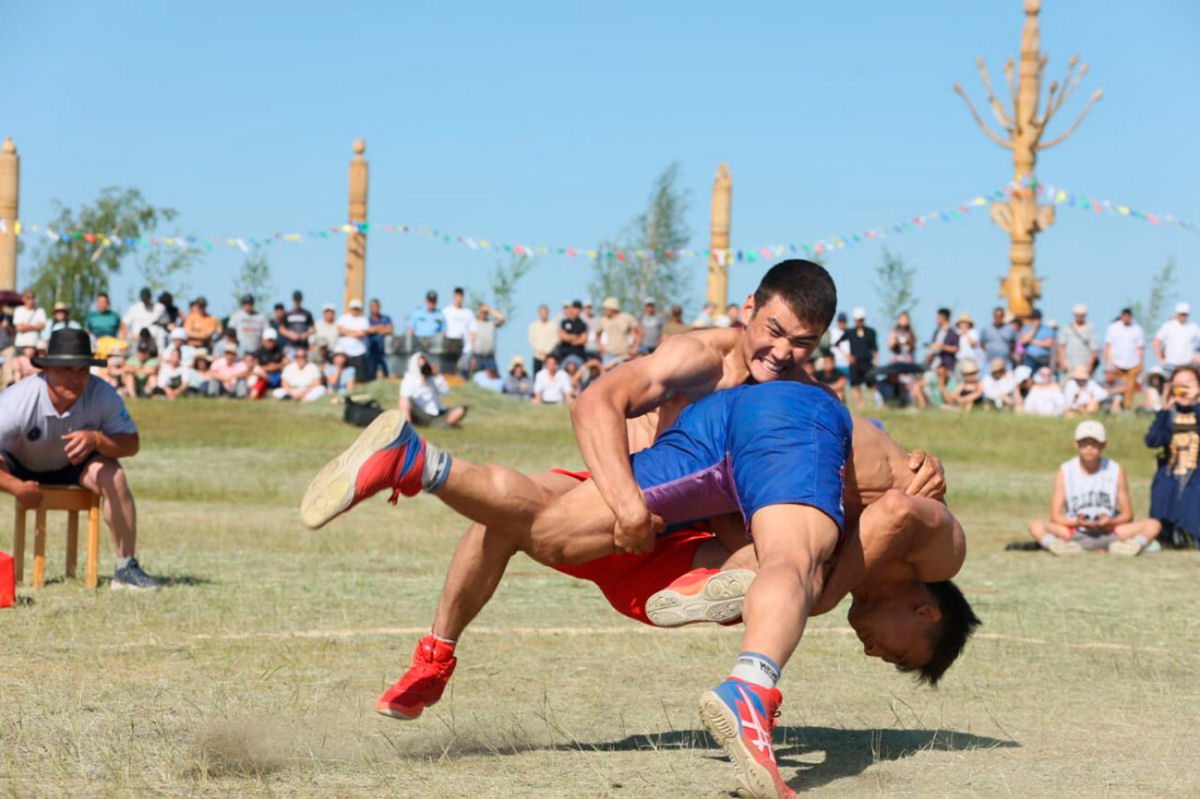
(271, 360)
(997, 338)
(543, 337)
(517, 382)
(103, 322)
(969, 392)
(458, 326)
(170, 318)
(1077, 342)
(999, 386)
(1037, 339)
(572, 334)
(301, 380)
(60, 319)
(172, 379)
(142, 315)
(902, 341)
(1089, 507)
(379, 327)
(1176, 342)
(1083, 394)
(325, 332)
(1045, 398)
(249, 325)
(421, 393)
(675, 326)
(839, 345)
(864, 355)
(297, 327)
(28, 321)
(1124, 354)
(734, 314)
(943, 346)
(592, 347)
(230, 372)
(1175, 491)
(425, 323)
(483, 337)
(620, 334)
(968, 339)
(707, 317)
(278, 321)
(652, 326)
(551, 384)
(1018, 351)
(201, 326)
(352, 331)
(338, 376)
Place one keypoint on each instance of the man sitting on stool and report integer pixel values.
(65, 427)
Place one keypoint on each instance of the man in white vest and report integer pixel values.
(1090, 508)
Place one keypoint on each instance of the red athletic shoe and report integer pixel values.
(422, 685)
(387, 455)
(740, 716)
(700, 595)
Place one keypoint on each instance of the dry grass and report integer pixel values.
(255, 671)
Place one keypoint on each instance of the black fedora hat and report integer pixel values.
(68, 347)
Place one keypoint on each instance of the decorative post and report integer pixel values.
(10, 169)
(718, 238)
(1020, 216)
(356, 241)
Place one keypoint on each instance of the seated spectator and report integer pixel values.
(938, 385)
(1000, 386)
(733, 312)
(421, 393)
(141, 368)
(227, 342)
(587, 374)
(104, 322)
(114, 370)
(60, 319)
(1082, 393)
(270, 358)
(1090, 508)
(300, 379)
(1175, 491)
(707, 317)
(675, 326)
(230, 372)
(894, 389)
(826, 375)
(1045, 398)
(489, 377)
(339, 375)
(172, 379)
(551, 385)
(325, 333)
(969, 392)
(22, 365)
(517, 382)
(177, 340)
(201, 381)
(257, 381)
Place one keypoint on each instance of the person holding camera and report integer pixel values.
(1175, 490)
(421, 393)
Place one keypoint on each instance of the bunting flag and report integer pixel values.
(1044, 192)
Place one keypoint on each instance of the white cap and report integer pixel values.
(1092, 429)
(269, 334)
(1079, 308)
(1182, 307)
(178, 334)
(356, 304)
(328, 307)
(858, 313)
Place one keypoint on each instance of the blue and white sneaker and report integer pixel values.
(133, 578)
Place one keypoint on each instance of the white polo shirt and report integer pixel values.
(1179, 341)
(31, 430)
(1125, 343)
(353, 347)
(458, 321)
(24, 316)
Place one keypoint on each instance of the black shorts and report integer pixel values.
(860, 374)
(66, 476)
(422, 419)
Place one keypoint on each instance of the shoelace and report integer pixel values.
(395, 497)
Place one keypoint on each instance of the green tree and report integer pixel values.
(1162, 293)
(79, 264)
(254, 279)
(503, 281)
(894, 286)
(650, 265)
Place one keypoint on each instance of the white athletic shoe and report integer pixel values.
(1129, 548)
(1065, 548)
(700, 595)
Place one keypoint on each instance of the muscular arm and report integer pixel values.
(681, 365)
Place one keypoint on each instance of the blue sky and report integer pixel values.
(546, 123)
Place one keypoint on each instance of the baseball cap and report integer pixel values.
(1092, 429)
(858, 313)
(611, 304)
(1183, 307)
(201, 301)
(247, 298)
(269, 334)
(577, 303)
(328, 307)
(841, 317)
(431, 295)
(356, 304)
(1079, 308)
(1036, 313)
(648, 301)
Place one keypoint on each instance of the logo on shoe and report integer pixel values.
(750, 719)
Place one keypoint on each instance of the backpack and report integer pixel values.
(361, 411)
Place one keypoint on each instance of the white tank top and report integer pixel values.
(1090, 496)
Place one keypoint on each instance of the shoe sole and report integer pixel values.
(720, 601)
(396, 714)
(331, 492)
(1114, 549)
(130, 587)
(721, 724)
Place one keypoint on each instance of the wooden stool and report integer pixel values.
(69, 498)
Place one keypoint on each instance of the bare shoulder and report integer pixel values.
(687, 359)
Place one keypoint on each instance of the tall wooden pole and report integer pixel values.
(1022, 127)
(10, 169)
(718, 238)
(356, 242)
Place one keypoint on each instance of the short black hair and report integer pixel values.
(103, 294)
(943, 312)
(805, 287)
(950, 634)
(279, 307)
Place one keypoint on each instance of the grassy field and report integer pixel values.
(255, 670)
